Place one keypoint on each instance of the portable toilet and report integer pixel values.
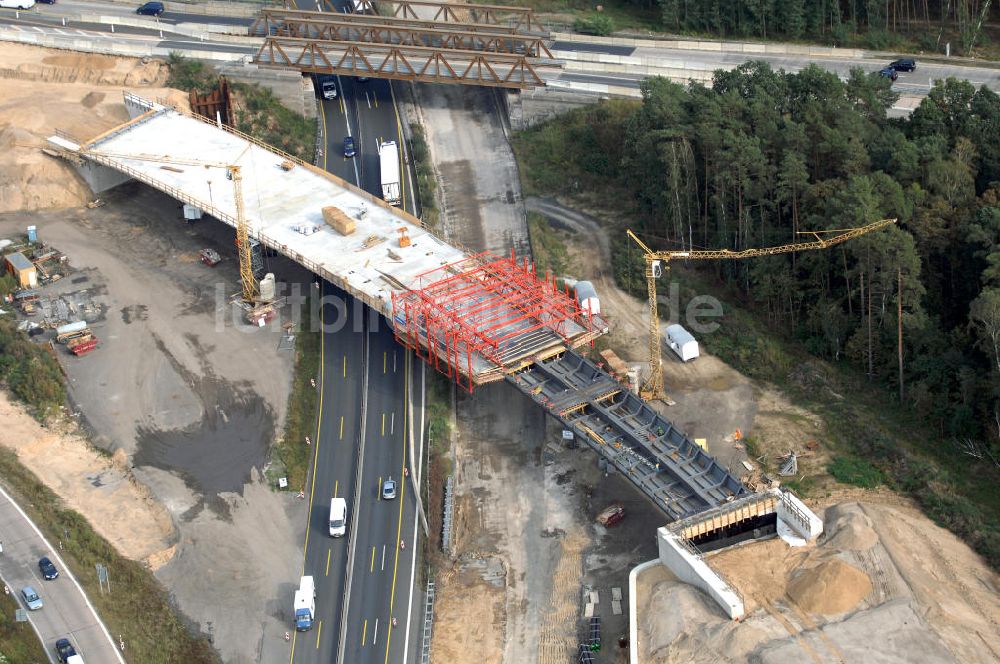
(682, 342)
(32, 234)
(586, 297)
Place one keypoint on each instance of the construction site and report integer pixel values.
(571, 469)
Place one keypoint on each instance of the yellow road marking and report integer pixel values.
(379, 488)
(385, 361)
(312, 489)
(372, 568)
(364, 633)
(402, 495)
(383, 424)
(345, 366)
(343, 108)
(341, 427)
(328, 552)
(319, 631)
(336, 487)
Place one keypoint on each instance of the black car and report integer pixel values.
(65, 650)
(349, 149)
(150, 9)
(904, 64)
(47, 569)
(46, 2)
(889, 73)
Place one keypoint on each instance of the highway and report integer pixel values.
(363, 370)
(66, 611)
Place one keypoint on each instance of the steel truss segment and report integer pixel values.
(278, 19)
(467, 67)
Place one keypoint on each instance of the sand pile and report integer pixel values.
(831, 587)
(82, 96)
(848, 528)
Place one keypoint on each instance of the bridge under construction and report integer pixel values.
(475, 317)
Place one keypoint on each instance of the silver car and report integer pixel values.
(389, 489)
(31, 598)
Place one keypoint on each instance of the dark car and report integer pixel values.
(47, 569)
(150, 9)
(904, 64)
(64, 650)
(889, 73)
(349, 149)
(46, 2)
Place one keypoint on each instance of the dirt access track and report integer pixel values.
(171, 391)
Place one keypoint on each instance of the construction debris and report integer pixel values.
(210, 257)
(615, 365)
(790, 466)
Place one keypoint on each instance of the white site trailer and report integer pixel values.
(682, 342)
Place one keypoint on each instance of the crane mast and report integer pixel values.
(659, 261)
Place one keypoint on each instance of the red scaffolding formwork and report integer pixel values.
(485, 307)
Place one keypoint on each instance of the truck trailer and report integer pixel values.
(388, 157)
(305, 604)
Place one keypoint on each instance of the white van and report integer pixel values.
(17, 4)
(338, 517)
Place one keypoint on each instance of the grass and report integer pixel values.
(139, 608)
(18, 642)
(623, 15)
(439, 418)
(854, 470)
(548, 250)
(291, 455)
(426, 182)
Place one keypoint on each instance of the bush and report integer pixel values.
(186, 74)
(600, 25)
(426, 183)
(856, 471)
(31, 373)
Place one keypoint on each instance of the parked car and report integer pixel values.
(889, 73)
(150, 9)
(904, 64)
(65, 650)
(47, 569)
(46, 2)
(389, 489)
(17, 4)
(349, 149)
(31, 598)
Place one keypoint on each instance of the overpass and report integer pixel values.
(475, 317)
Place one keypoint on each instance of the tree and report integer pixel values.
(984, 314)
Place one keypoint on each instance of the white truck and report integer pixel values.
(305, 604)
(388, 157)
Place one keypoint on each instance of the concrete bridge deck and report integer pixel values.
(159, 145)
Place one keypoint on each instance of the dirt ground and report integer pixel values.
(883, 584)
(169, 389)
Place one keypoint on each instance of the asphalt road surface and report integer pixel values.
(65, 613)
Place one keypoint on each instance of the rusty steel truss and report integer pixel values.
(399, 32)
(486, 306)
(408, 63)
(522, 18)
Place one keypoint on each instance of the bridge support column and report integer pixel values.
(100, 178)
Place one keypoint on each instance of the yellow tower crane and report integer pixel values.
(657, 262)
(234, 174)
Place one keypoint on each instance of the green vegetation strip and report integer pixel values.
(258, 112)
(29, 371)
(548, 250)
(763, 155)
(138, 608)
(291, 454)
(18, 642)
(426, 182)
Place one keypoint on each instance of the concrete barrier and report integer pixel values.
(750, 48)
(689, 567)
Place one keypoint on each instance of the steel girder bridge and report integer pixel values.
(465, 44)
